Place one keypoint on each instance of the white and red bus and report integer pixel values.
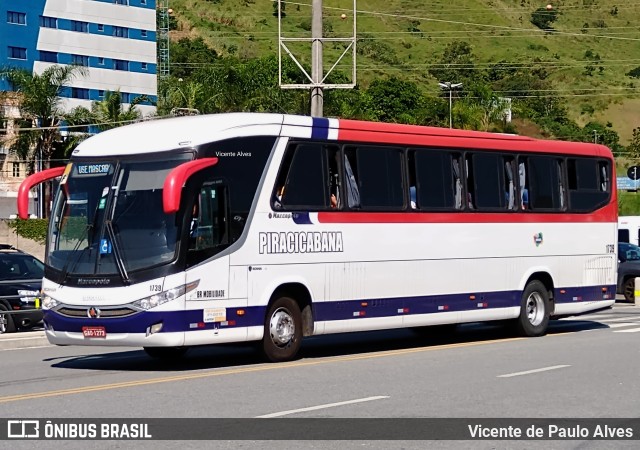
(261, 227)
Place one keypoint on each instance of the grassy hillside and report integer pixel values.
(593, 45)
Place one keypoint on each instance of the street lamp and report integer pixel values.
(448, 85)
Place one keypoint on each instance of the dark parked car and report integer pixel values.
(20, 282)
(628, 269)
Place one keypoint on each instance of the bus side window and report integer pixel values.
(489, 183)
(380, 177)
(302, 180)
(350, 165)
(510, 185)
(436, 178)
(522, 183)
(457, 175)
(468, 166)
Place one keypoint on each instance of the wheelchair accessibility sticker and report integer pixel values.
(105, 246)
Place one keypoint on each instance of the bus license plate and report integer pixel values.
(94, 332)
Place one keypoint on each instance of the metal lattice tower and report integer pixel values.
(163, 38)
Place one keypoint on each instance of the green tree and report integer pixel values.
(633, 149)
(543, 18)
(395, 100)
(456, 64)
(110, 112)
(41, 104)
(189, 55)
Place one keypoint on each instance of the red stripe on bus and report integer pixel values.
(350, 130)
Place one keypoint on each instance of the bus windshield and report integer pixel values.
(108, 218)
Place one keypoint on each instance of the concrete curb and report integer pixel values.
(10, 341)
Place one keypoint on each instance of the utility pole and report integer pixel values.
(316, 80)
(317, 100)
(595, 136)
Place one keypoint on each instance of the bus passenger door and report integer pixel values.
(213, 314)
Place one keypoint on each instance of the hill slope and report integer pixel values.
(594, 43)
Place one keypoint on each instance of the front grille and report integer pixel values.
(104, 313)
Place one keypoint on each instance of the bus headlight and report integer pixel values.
(48, 302)
(163, 297)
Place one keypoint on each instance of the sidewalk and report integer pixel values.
(23, 340)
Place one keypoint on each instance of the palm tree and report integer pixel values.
(110, 112)
(40, 105)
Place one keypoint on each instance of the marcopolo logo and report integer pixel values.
(300, 242)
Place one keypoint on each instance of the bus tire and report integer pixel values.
(534, 310)
(6, 321)
(166, 352)
(282, 330)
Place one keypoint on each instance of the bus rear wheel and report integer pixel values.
(282, 330)
(166, 352)
(534, 310)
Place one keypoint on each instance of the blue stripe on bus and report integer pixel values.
(179, 321)
(320, 128)
(301, 218)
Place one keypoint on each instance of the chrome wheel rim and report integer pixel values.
(535, 308)
(281, 327)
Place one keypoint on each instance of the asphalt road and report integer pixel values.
(586, 367)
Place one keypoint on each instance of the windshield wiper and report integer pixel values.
(122, 270)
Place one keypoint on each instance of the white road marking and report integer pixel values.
(628, 330)
(601, 317)
(24, 348)
(625, 324)
(314, 408)
(622, 319)
(527, 372)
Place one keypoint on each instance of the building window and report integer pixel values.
(51, 57)
(119, 64)
(121, 32)
(80, 93)
(121, 2)
(17, 53)
(144, 66)
(101, 93)
(80, 60)
(101, 61)
(17, 18)
(16, 169)
(124, 97)
(100, 27)
(81, 27)
(48, 22)
(143, 2)
(143, 33)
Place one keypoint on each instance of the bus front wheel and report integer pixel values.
(534, 310)
(282, 330)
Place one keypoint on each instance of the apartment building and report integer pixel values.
(114, 39)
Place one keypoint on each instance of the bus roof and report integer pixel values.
(187, 132)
